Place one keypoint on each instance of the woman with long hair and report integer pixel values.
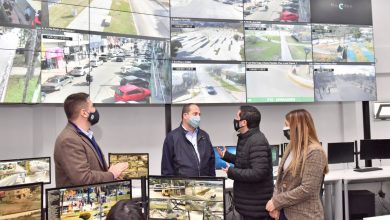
(301, 172)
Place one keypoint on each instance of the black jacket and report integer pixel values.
(252, 174)
(180, 159)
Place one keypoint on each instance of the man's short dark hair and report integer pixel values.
(186, 108)
(125, 209)
(73, 103)
(251, 115)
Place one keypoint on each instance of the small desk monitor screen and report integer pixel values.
(219, 163)
(342, 152)
(375, 149)
(275, 155)
(21, 202)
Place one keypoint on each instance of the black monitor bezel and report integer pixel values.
(342, 143)
(364, 157)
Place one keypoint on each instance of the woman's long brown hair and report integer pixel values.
(302, 134)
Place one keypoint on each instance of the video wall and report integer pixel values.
(182, 51)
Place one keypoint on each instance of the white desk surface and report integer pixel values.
(351, 175)
(383, 217)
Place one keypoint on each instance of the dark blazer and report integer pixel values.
(252, 174)
(180, 159)
(300, 196)
(76, 160)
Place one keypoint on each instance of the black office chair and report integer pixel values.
(322, 189)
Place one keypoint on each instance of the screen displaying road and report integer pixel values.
(344, 82)
(212, 9)
(275, 42)
(280, 83)
(21, 202)
(86, 202)
(208, 83)
(342, 43)
(206, 40)
(186, 198)
(277, 10)
(178, 51)
(24, 171)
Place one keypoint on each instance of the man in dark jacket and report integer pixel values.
(188, 150)
(252, 172)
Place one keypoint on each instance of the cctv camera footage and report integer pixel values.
(208, 83)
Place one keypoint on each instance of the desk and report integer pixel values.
(383, 217)
(345, 177)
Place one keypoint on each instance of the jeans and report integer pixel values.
(282, 215)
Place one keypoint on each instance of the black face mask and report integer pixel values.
(286, 133)
(93, 117)
(236, 124)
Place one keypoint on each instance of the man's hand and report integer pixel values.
(275, 214)
(227, 167)
(221, 151)
(270, 206)
(118, 168)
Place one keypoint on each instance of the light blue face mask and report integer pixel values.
(194, 121)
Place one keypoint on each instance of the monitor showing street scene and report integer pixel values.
(219, 163)
(21, 202)
(186, 198)
(276, 42)
(138, 164)
(344, 82)
(99, 17)
(24, 171)
(357, 12)
(342, 43)
(20, 65)
(211, 9)
(86, 202)
(208, 83)
(130, 70)
(207, 40)
(21, 13)
(279, 82)
(277, 10)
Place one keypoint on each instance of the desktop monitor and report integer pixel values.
(219, 163)
(85, 202)
(138, 164)
(375, 149)
(18, 202)
(186, 197)
(24, 171)
(342, 152)
(275, 155)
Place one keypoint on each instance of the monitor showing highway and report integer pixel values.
(24, 171)
(186, 198)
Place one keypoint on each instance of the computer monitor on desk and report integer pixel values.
(375, 149)
(342, 152)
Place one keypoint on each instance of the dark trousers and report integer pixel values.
(251, 218)
(282, 215)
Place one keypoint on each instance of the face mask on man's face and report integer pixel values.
(194, 121)
(93, 117)
(286, 132)
(236, 124)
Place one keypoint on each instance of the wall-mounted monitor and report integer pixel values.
(375, 149)
(21, 202)
(85, 202)
(25, 171)
(382, 110)
(219, 163)
(186, 198)
(343, 152)
(138, 164)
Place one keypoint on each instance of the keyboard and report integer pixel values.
(368, 169)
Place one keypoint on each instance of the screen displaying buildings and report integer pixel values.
(85, 202)
(179, 51)
(138, 164)
(21, 202)
(175, 198)
(24, 171)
